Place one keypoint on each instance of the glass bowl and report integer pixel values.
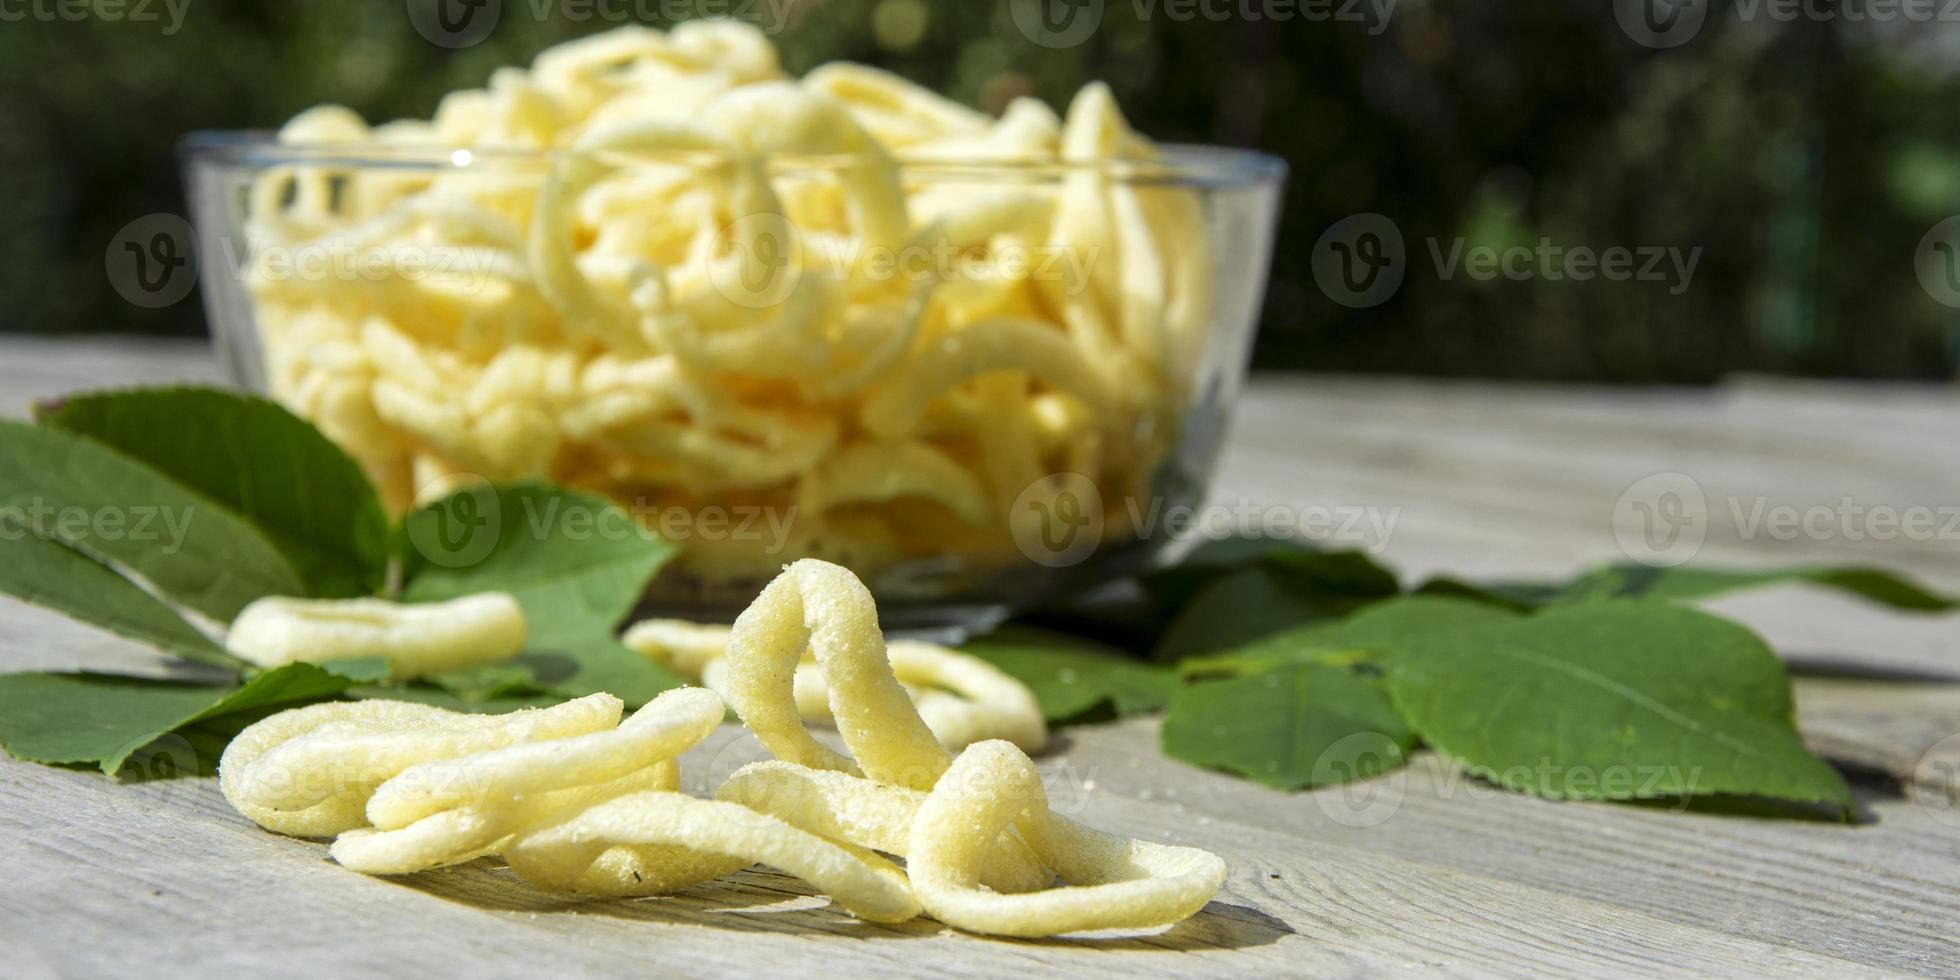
(979, 384)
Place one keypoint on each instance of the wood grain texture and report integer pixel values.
(1423, 870)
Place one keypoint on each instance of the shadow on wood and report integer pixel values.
(760, 900)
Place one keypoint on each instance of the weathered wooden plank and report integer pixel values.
(1909, 732)
(212, 891)
(1490, 480)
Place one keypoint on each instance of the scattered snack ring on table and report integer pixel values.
(418, 638)
(869, 814)
(309, 771)
(574, 800)
(822, 608)
(962, 698)
(451, 810)
(1113, 882)
(865, 884)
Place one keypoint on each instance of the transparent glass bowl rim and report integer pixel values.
(1180, 165)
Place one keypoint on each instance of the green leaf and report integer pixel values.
(359, 670)
(260, 462)
(488, 681)
(48, 573)
(1383, 627)
(104, 718)
(1294, 727)
(1073, 679)
(1334, 573)
(107, 504)
(1234, 610)
(1685, 583)
(1343, 572)
(576, 563)
(576, 668)
(1209, 561)
(1286, 588)
(1614, 699)
(440, 698)
(1514, 596)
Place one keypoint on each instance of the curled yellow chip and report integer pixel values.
(1113, 882)
(865, 884)
(309, 771)
(871, 815)
(575, 801)
(822, 608)
(667, 726)
(417, 638)
(468, 832)
(961, 698)
(452, 810)
(983, 703)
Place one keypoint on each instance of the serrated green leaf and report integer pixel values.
(487, 682)
(1514, 596)
(1074, 679)
(360, 670)
(1294, 727)
(258, 461)
(1212, 559)
(434, 696)
(576, 564)
(104, 718)
(1240, 607)
(1687, 582)
(1612, 699)
(1308, 567)
(1334, 573)
(1379, 628)
(576, 668)
(47, 573)
(107, 504)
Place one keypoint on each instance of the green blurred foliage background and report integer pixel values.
(1806, 159)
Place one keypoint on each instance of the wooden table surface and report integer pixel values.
(1422, 870)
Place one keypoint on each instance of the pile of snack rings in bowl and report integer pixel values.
(572, 799)
(666, 275)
